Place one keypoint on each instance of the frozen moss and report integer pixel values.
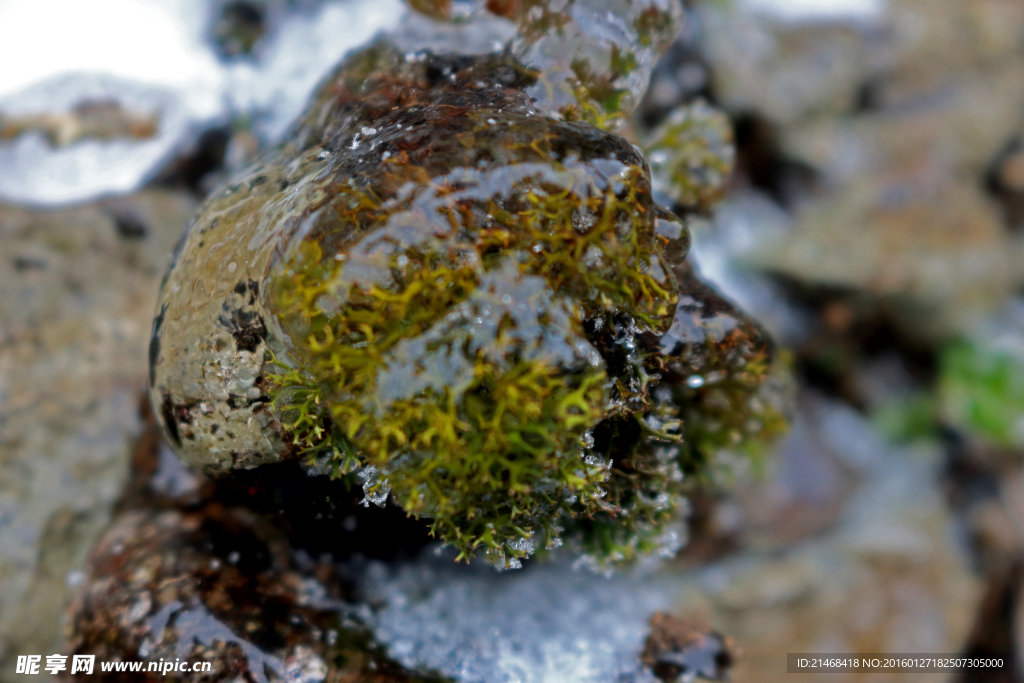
(467, 302)
(692, 156)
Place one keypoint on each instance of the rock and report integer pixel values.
(944, 128)
(932, 39)
(216, 586)
(77, 290)
(888, 575)
(934, 248)
(787, 71)
(676, 650)
(899, 133)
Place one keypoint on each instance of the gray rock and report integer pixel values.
(77, 291)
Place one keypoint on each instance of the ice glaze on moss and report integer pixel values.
(468, 301)
(437, 300)
(692, 156)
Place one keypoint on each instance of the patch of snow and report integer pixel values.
(32, 171)
(153, 55)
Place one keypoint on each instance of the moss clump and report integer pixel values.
(437, 304)
(446, 291)
(692, 156)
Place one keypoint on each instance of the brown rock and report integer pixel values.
(679, 650)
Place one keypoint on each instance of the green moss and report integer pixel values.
(442, 341)
(914, 417)
(982, 391)
(692, 156)
(480, 316)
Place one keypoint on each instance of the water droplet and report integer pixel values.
(695, 381)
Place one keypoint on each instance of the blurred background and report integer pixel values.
(874, 223)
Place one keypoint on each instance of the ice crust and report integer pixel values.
(548, 623)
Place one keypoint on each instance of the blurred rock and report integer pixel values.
(677, 650)
(932, 38)
(956, 129)
(1006, 180)
(903, 118)
(77, 293)
(785, 70)
(887, 575)
(103, 120)
(934, 248)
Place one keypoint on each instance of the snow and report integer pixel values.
(817, 10)
(153, 55)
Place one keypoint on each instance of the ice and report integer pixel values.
(374, 491)
(547, 623)
(301, 52)
(722, 253)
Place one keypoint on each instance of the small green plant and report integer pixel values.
(982, 391)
